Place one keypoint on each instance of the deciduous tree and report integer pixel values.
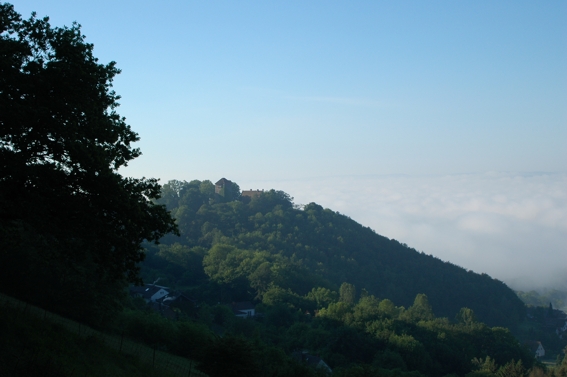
(69, 222)
(347, 293)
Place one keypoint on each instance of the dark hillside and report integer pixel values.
(270, 241)
(36, 342)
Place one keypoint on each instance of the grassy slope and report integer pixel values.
(32, 345)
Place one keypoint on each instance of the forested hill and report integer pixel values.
(263, 247)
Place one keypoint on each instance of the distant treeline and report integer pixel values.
(557, 298)
(250, 247)
(323, 283)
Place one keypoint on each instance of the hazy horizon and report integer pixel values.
(440, 124)
(511, 226)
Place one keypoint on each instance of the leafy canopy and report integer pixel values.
(63, 203)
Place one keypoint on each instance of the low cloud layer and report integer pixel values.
(510, 226)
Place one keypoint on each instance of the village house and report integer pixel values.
(311, 360)
(181, 302)
(244, 309)
(536, 348)
(164, 301)
(150, 292)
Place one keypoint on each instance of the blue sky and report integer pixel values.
(364, 96)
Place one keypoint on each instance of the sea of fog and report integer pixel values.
(511, 226)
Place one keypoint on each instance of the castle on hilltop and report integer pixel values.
(224, 186)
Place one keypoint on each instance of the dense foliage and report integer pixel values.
(264, 247)
(70, 226)
(554, 297)
(545, 324)
(317, 277)
(368, 337)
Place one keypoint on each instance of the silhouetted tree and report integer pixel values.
(71, 226)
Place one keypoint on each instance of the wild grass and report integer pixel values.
(35, 342)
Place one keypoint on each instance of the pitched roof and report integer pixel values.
(311, 360)
(179, 298)
(146, 291)
(223, 181)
